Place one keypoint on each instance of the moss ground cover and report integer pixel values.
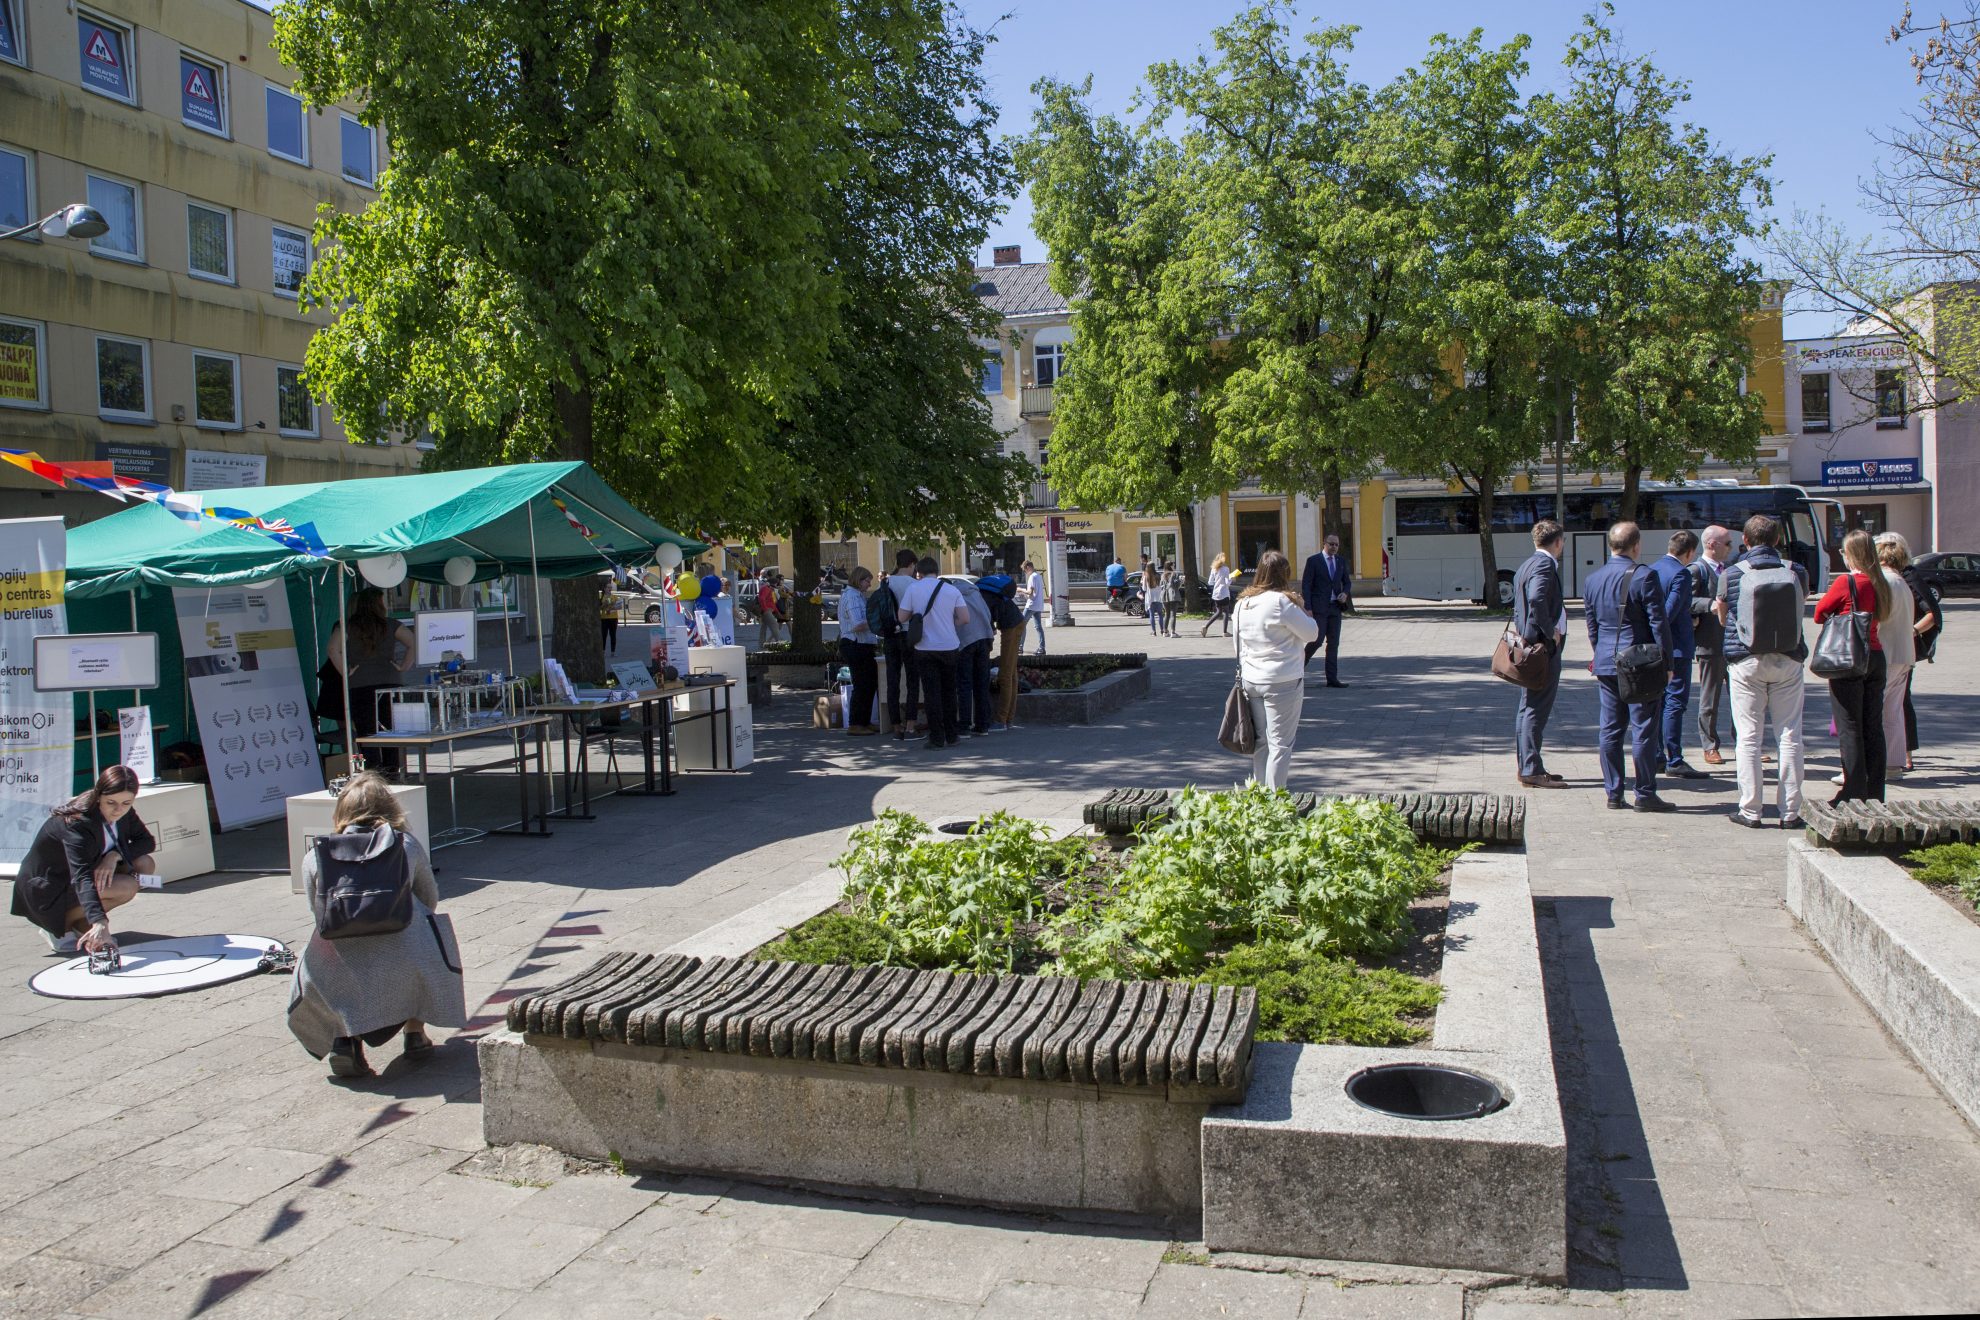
(1232, 888)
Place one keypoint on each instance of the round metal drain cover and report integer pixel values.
(1427, 1091)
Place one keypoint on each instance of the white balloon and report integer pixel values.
(668, 556)
(459, 571)
(384, 570)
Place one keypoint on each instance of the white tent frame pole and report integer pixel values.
(353, 758)
(137, 699)
(542, 669)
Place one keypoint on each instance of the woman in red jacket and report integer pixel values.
(1859, 702)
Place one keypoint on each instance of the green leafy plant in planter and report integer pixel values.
(1246, 867)
(1326, 1000)
(973, 902)
(1956, 864)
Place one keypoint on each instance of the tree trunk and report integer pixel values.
(807, 630)
(1333, 517)
(575, 638)
(1192, 567)
(1632, 485)
(1487, 552)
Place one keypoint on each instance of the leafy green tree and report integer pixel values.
(1306, 223)
(1648, 218)
(1486, 325)
(1132, 427)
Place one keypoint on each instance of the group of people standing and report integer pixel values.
(1738, 620)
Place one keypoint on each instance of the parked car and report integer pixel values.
(1950, 573)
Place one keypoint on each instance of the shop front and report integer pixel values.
(1877, 495)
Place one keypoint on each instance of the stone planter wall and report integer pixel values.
(1087, 704)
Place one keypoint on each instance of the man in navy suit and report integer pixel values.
(1624, 608)
(1540, 615)
(1329, 594)
(1674, 581)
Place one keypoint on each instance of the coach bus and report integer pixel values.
(1430, 541)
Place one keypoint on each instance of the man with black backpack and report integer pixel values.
(883, 615)
(1760, 604)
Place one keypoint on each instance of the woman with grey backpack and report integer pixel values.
(380, 962)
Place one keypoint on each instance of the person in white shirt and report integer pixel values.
(943, 617)
(857, 641)
(1273, 632)
(1034, 601)
(1900, 640)
(903, 679)
(1220, 594)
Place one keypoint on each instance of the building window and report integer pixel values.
(1048, 363)
(217, 390)
(1890, 399)
(16, 189)
(106, 56)
(993, 374)
(202, 94)
(123, 379)
(118, 201)
(1814, 402)
(210, 242)
(286, 137)
(23, 384)
(360, 152)
(295, 411)
(12, 48)
(291, 249)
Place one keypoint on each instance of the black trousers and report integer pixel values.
(858, 658)
(901, 666)
(1859, 706)
(608, 631)
(1910, 716)
(973, 709)
(938, 695)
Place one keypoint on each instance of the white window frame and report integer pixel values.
(309, 257)
(1056, 352)
(15, 9)
(130, 55)
(231, 359)
(233, 267)
(267, 123)
(371, 135)
(137, 217)
(40, 360)
(315, 430)
(218, 69)
(27, 172)
(144, 357)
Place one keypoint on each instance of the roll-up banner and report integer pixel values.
(37, 729)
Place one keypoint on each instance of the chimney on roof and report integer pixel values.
(1008, 255)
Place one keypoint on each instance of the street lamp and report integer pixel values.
(72, 221)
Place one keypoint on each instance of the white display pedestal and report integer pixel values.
(177, 816)
(309, 817)
(695, 744)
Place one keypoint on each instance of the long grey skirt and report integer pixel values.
(358, 987)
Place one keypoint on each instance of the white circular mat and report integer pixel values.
(158, 967)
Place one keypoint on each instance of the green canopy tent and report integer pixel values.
(505, 519)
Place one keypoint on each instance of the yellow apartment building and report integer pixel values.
(173, 344)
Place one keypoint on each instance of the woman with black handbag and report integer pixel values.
(353, 990)
(1850, 654)
(1273, 632)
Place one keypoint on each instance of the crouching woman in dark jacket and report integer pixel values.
(366, 989)
(84, 861)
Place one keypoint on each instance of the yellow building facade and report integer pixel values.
(172, 345)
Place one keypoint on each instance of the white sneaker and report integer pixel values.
(1838, 779)
(65, 945)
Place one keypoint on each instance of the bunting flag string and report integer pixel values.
(101, 477)
(583, 529)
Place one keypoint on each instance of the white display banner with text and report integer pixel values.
(37, 729)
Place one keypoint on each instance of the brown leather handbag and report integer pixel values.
(1520, 662)
(1238, 734)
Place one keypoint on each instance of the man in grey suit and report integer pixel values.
(1540, 615)
(1706, 571)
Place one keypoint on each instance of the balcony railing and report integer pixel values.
(1041, 496)
(1035, 401)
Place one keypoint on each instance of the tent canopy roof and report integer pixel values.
(492, 515)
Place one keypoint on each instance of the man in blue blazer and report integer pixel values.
(1328, 592)
(1540, 615)
(1624, 608)
(1674, 582)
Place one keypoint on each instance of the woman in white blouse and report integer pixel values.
(1220, 595)
(1273, 632)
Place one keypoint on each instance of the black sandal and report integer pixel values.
(347, 1058)
(417, 1046)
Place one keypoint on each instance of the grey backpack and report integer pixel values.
(364, 884)
(1770, 600)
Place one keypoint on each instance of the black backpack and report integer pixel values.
(363, 884)
(1000, 594)
(883, 612)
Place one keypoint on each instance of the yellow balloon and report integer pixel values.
(687, 587)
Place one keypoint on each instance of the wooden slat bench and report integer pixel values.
(1918, 823)
(1442, 818)
(1003, 1090)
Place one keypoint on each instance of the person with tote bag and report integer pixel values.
(1850, 654)
(1273, 632)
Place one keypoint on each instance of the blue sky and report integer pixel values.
(1808, 81)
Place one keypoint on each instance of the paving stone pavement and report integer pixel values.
(1744, 1139)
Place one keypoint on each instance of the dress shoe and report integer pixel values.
(1750, 822)
(1713, 758)
(862, 730)
(1791, 823)
(1650, 802)
(1558, 779)
(1679, 770)
(1617, 804)
(1333, 683)
(1539, 781)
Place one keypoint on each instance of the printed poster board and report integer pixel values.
(94, 662)
(436, 632)
(37, 729)
(247, 689)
